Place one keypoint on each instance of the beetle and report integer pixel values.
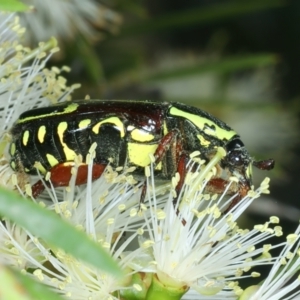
(126, 132)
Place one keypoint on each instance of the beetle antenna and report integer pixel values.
(267, 164)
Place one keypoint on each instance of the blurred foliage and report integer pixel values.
(202, 15)
(17, 286)
(53, 230)
(128, 51)
(12, 5)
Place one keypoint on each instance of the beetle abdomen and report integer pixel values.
(122, 130)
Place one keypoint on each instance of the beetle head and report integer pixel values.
(239, 163)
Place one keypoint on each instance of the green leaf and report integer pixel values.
(55, 231)
(13, 5)
(16, 286)
(227, 65)
(201, 15)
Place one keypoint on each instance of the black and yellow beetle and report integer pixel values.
(126, 132)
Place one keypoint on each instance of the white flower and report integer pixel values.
(102, 210)
(202, 248)
(222, 295)
(194, 249)
(25, 83)
(283, 281)
(66, 19)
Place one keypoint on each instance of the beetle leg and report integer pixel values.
(181, 170)
(218, 185)
(171, 140)
(164, 145)
(242, 192)
(60, 175)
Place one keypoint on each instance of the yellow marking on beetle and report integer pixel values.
(52, 160)
(41, 133)
(139, 153)
(61, 128)
(12, 149)
(203, 141)
(200, 122)
(25, 137)
(112, 120)
(84, 123)
(13, 165)
(165, 130)
(68, 109)
(141, 135)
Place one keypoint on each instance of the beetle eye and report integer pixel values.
(235, 158)
(234, 144)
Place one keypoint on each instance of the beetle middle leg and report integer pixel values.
(171, 141)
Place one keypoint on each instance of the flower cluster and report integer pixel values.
(66, 19)
(24, 86)
(185, 246)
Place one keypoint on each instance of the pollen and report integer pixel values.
(121, 207)
(39, 274)
(143, 207)
(251, 249)
(194, 154)
(93, 147)
(14, 179)
(147, 171)
(28, 190)
(147, 244)
(161, 215)
(110, 221)
(130, 169)
(152, 158)
(274, 220)
(67, 214)
(292, 238)
(278, 231)
(283, 261)
(174, 181)
(133, 212)
(48, 176)
(233, 179)
(137, 287)
(140, 231)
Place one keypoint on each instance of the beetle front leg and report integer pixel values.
(60, 175)
(218, 185)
